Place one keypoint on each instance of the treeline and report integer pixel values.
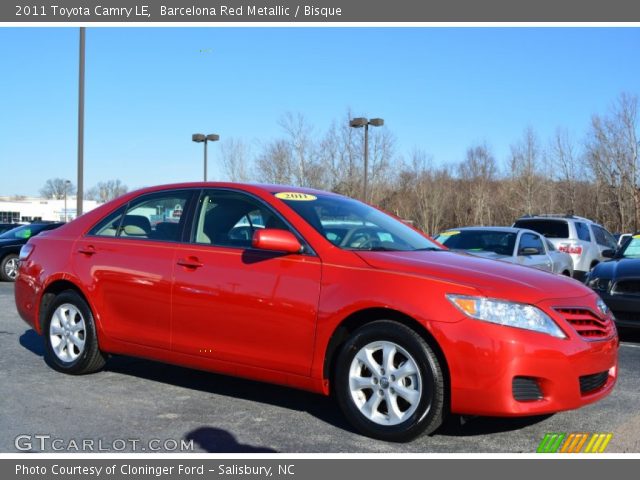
(596, 176)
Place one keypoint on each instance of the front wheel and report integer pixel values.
(71, 342)
(389, 382)
(9, 268)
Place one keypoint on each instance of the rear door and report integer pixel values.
(238, 304)
(127, 261)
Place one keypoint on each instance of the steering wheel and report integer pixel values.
(366, 240)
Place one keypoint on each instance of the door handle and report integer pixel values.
(190, 262)
(88, 250)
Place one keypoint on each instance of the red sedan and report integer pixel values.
(315, 291)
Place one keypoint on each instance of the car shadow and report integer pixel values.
(469, 426)
(32, 342)
(217, 440)
(323, 408)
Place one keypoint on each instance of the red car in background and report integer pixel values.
(319, 292)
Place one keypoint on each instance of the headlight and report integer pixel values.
(511, 314)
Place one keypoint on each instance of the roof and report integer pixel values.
(490, 229)
(269, 188)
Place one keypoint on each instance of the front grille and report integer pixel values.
(589, 383)
(586, 323)
(526, 389)
(626, 287)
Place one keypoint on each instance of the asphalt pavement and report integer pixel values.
(138, 405)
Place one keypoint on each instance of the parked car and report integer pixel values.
(587, 242)
(401, 329)
(10, 243)
(5, 227)
(513, 245)
(618, 283)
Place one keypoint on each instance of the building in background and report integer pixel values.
(31, 209)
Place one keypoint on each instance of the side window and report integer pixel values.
(529, 240)
(550, 246)
(611, 241)
(156, 216)
(603, 237)
(108, 227)
(229, 219)
(583, 231)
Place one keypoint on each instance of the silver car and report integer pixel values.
(508, 244)
(587, 242)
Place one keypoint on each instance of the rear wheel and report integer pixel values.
(389, 382)
(71, 343)
(9, 268)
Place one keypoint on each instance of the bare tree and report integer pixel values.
(275, 165)
(526, 179)
(55, 188)
(612, 155)
(236, 160)
(106, 191)
(567, 167)
(479, 172)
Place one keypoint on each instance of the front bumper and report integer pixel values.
(485, 364)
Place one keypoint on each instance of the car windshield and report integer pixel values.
(22, 233)
(498, 242)
(632, 248)
(353, 225)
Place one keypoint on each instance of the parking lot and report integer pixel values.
(142, 405)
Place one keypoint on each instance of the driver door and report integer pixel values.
(238, 304)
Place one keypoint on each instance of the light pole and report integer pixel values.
(359, 123)
(66, 188)
(201, 138)
(80, 183)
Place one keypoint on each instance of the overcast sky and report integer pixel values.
(148, 89)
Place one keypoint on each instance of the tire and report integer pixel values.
(70, 339)
(9, 268)
(364, 389)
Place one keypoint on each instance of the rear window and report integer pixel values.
(548, 228)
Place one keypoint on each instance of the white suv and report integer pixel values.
(587, 242)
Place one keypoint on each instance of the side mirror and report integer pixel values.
(276, 240)
(608, 253)
(529, 251)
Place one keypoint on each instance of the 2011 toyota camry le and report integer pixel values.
(319, 292)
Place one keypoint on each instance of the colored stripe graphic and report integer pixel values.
(598, 442)
(551, 442)
(573, 442)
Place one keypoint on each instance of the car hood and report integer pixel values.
(617, 268)
(493, 279)
(491, 255)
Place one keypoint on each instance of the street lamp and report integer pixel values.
(66, 187)
(201, 138)
(365, 122)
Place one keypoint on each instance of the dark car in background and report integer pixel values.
(618, 283)
(5, 227)
(12, 241)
